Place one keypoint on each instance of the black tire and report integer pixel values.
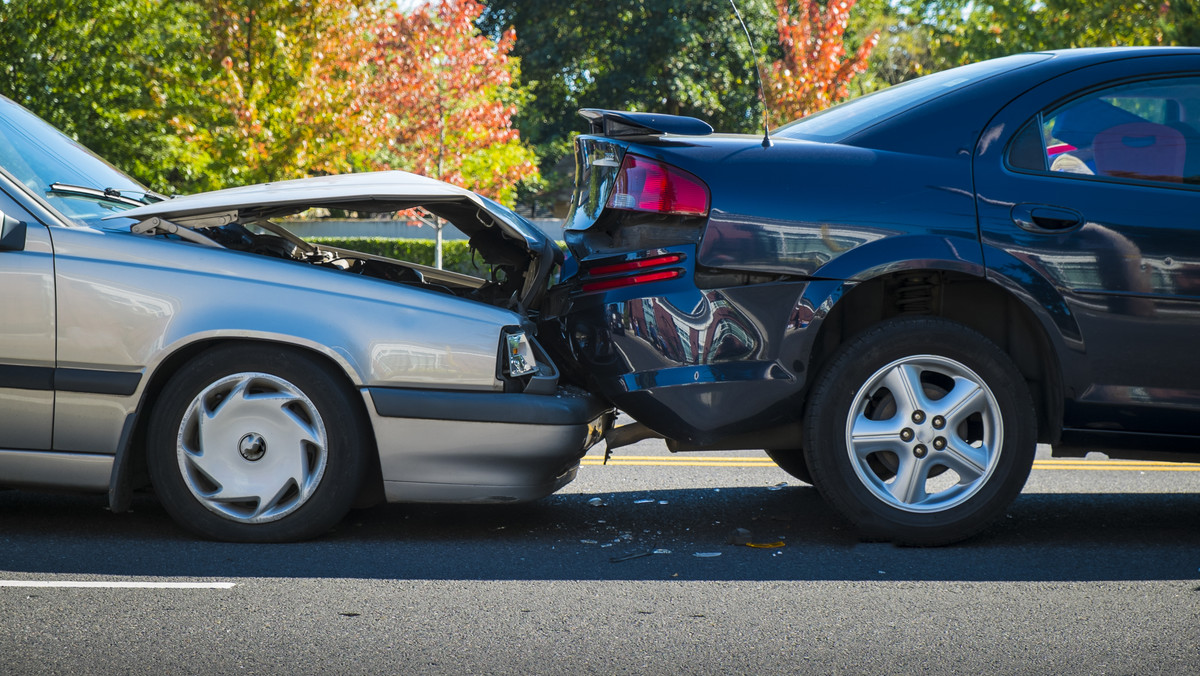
(901, 472)
(791, 460)
(278, 424)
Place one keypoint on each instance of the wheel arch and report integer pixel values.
(974, 301)
(129, 466)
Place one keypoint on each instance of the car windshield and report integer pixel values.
(79, 185)
(845, 119)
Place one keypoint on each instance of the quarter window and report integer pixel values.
(1143, 131)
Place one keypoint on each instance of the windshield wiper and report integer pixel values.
(107, 194)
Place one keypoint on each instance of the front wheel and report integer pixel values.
(256, 444)
(921, 431)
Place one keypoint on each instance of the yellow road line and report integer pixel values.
(1056, 464)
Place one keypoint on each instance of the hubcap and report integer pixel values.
(924, 433)
(223, 444)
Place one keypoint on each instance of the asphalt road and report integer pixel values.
(1095, 571)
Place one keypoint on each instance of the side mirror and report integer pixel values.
(12, 234)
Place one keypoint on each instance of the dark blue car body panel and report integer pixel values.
(923, 197)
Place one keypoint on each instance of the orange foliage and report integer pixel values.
(815, 70)
(445, 93)
(333, 86)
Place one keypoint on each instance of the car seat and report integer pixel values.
(1142, 150)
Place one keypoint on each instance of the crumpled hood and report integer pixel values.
(371, 192)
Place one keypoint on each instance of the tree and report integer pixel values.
(671, 56)
(444, 96)
(110, 73)
(815, 71)
(964, 31)
(286, 99)
(1181, 22)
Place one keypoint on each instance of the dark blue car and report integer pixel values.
(901, 296)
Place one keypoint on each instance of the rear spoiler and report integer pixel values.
(617, 123)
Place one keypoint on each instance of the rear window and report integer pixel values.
(850, 117)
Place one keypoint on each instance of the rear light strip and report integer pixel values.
(633, 266)
(644, 278)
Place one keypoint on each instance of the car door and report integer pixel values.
(27, 330)
(1092, 181)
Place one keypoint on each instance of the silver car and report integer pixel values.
(260, 384)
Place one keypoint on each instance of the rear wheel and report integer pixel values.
(256, 444)
(920, 430)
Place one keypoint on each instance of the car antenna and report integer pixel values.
(766, 142)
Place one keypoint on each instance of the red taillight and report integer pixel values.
(633, 266)
(649, 185)
(644, 278)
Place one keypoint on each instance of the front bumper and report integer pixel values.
(481, 447)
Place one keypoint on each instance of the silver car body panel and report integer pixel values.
(426, 460)
(27, 340)
(65, 471)
(126, 303)
(344, 190)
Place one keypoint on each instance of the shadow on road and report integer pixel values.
(1046, 537)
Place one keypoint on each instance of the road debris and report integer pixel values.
(644, 501)
(596, 502)
(706, 555)
(767, 545)
(628, 557)
(777, 487)
(740, 536)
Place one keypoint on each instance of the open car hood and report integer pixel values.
(505, 240)
(376, 192)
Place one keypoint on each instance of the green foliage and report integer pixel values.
(281, 100)
(1181, 23)
(964, 31)
(205, 94)
(669, 56)
(110, 73)
(456, 253)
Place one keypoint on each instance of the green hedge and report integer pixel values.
(456, 254)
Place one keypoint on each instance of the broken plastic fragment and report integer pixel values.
(662, 551)
(707, 555)
(596, 502)
(662, 502)
(766, 545)
(643, 501)
(635, 555)
(777, 487)
(587, 542)
(739, 536)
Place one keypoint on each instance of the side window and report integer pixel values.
(1142, 131)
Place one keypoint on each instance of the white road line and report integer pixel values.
(116, 584)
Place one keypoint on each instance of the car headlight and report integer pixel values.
(519, 359)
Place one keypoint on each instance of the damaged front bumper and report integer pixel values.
(482, 447)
